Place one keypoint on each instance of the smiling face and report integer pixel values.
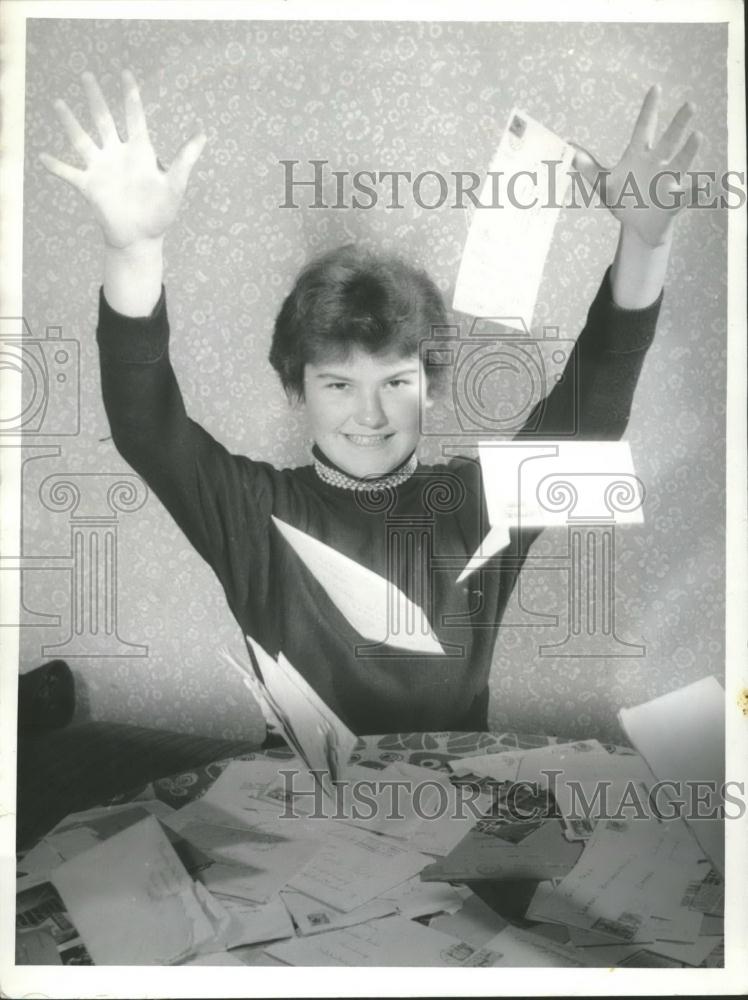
(364, 411)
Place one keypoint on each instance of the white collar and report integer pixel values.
(336, 477)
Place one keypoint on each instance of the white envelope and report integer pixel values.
(502, 263)
(391, 941)
(319, 738)
(538, 484)
(312, 916)
(251, 923)
(132, 900)
(353, 866)
(376, 608)
(513, 947)
(681, 735)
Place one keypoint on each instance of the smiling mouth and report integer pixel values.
(368, 440)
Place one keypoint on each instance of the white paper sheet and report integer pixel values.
(253, 861)
(264, 851)
(505, 765)
(319, 738)
(544, 853)
(105, 820)
(502, 263)
(312, 916)
(602, 952)
(587, 782)
(353, 866)
(401, 801)
(82, 830)
(376, 608)
(475, 922)
(230, 802)
(545, 484)
(251, 923)
(513, 947)
(440, 835)
(681, 735)
(392, 941)
(214, 958)
(36, 948)
(414, 898)
(233, 800)
(132, 901)
(628, 884)
(443, 828)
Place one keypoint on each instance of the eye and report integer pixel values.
(396, 383)
(337, 385)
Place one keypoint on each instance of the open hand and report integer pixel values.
(133, 198)
(647, 188)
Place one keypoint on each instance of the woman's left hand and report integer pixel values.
(647, 188)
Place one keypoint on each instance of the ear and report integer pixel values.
(427, 398)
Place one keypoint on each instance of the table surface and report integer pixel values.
(428, 750)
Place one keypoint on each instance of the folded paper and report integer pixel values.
(541, 484)
(374, 606)
(511, 232)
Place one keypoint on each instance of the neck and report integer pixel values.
(322, 457)
(331, 473)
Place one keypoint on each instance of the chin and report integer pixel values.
(370, 461)
(363, 470)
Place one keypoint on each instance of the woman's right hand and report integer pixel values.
(133, 198)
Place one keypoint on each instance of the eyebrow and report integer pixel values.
(347, 378)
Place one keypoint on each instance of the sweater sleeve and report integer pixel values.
(220, 501)
(594, 397)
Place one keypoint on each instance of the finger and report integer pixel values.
(137, 128)
(81, 141)
(684, 157)
(675, 132)
(186, 158)
(100, 112)
(63, 170)
(646, 124)
(586, 164)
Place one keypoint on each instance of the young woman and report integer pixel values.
(346, 345)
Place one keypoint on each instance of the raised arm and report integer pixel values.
(644, 191)
(133, 198)
(220, 501)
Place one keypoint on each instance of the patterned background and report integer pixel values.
(411, 96)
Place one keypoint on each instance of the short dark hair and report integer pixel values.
(351, 298)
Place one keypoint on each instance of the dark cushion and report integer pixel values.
(66, 770)
(46, 696)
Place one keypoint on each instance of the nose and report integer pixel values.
(369, 411)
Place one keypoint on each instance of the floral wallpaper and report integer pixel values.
(109, 582)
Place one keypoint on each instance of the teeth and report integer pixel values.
(367, 440)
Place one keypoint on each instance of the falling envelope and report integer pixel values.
(376, 608)
(681, 735)
(539, 484)
(512, 239)
(497, 539)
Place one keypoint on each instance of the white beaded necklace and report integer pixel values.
(334, 477)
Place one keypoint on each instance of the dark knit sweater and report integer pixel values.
(419, 534)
